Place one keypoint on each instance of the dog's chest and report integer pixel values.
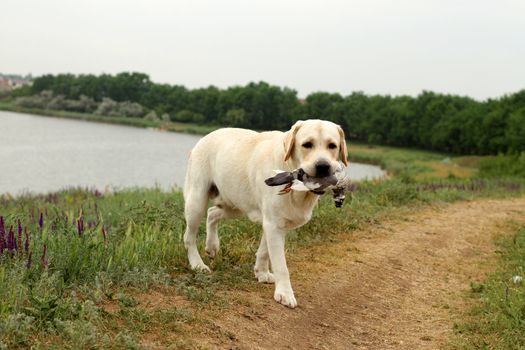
(299, 211)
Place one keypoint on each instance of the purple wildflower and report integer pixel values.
(19, 240)
(43, 258)
(29, 260)
(80, 226)
(11, 242)
(41, 221)
(3, 243)
(26, 244)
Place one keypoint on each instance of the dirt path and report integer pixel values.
(392, 286)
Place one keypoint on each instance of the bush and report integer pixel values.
(152, 116)
(130, 109)
(46, 100)
(235, 117)
(40, 101)
(186, 116)
(503, 166)
(113, 108)
(107, 107)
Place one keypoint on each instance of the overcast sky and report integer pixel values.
(468, 47)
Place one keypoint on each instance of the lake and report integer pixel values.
(44, 154)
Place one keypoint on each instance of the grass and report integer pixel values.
(497, 318)
(129, 121)
(413, 163)
(508, 166)
(105, 249)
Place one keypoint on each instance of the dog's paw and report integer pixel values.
(212, 248)
(201, 267)
(264, 277)
(285, 297)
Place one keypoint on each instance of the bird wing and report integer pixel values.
(299, 186)
(281, 178)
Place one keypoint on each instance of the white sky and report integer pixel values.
(468, 47)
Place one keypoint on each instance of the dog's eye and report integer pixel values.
(332, 145)
(308, 145)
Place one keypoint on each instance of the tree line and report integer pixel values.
(440, 122)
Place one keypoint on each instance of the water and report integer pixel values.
(42, 154)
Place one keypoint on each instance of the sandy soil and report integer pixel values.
(396, 285)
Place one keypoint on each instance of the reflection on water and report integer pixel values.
(41, 154)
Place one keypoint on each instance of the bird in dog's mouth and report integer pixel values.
(299, 180)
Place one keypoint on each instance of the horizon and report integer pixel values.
(299, 97)
(472, 48)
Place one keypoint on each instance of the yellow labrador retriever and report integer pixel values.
(230, 165)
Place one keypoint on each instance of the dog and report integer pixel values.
(230, 165)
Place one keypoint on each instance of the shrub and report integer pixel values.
(152, 116)
(130, 109)
(37, 101)
(503, 166)
(119, 109)
(186, 116)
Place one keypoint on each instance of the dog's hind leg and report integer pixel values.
(212, 238)
(195, 202)
(262, 263)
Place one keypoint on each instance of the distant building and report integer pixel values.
(13, 81)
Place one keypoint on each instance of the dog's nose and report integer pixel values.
(322, 168)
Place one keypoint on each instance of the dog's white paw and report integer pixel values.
(202, 267)
(285, 297)
(264, 277)
(212, 248)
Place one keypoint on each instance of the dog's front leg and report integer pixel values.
(275, 238)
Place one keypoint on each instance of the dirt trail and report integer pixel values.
(392, 286)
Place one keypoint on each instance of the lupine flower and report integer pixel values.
(43, 258)
(29, 258)
(41, 221)
(80, 226)
(19, 241)
(11, 242)
(26, 245)
(3, 243)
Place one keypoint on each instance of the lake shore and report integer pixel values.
(129, 121)
(394, 160)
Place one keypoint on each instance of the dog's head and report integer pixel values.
(316, 145)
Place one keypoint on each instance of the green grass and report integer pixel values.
(412, 163)
(507, 166)
(129, 121)
(142, 249)
(497, 319)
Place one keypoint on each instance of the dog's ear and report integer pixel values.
(342, 146)
(289, 139)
